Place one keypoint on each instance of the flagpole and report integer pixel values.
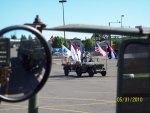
(62, 59)
(62, 55)
(106, 62)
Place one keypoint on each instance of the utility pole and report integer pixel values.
(63, 1)
(110, 35)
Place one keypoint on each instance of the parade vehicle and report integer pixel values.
(85, 62)
(88, 67)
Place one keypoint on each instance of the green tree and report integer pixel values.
(23, 37)
(65, 43)
(83, 42)
(116, 43)
(13, 37)
(99, 37)
(58, 42)
(30, 37)
(89, 43)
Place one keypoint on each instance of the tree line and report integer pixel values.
(90, 43)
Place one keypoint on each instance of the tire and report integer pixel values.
(103, 73)
(90, 72)
(66, 71)
(79, 72)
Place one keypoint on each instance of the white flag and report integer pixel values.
(79, 55)
(74, 54)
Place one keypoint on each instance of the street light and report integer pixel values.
(114, 22)
(110, 35)
(63, 1)
(121, 20)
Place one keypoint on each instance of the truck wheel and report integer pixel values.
(91, 72)
(66, 71)
(103, 73)
(79, 72)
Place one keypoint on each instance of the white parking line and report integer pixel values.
(77, 99)
(64, 110)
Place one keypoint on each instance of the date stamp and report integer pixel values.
(129, 99)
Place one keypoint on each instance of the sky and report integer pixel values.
(93, 12)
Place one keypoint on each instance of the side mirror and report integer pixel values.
(133, 87)
(25, 63)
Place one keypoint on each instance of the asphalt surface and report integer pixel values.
(71, 94)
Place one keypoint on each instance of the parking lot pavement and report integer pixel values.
(72, 94)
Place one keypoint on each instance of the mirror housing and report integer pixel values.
(133, 92)
(13, 89)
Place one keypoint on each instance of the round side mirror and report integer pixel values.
(25, 63)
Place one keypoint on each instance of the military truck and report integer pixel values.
(31, 54)
(89, 67)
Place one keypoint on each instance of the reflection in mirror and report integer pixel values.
(137, 61)
(22, 63)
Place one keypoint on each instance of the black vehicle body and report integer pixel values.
(89, 67)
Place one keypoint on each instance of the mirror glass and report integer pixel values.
(22, 63)
(136, 60)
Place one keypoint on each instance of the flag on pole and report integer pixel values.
(52, 38)
(111, 52)
(75, 47)
(99, 49)
(79, 55)
(66, 51)
(74, 54)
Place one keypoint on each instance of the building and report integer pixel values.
(76, 41)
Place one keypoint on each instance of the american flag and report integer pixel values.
(99, 49)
